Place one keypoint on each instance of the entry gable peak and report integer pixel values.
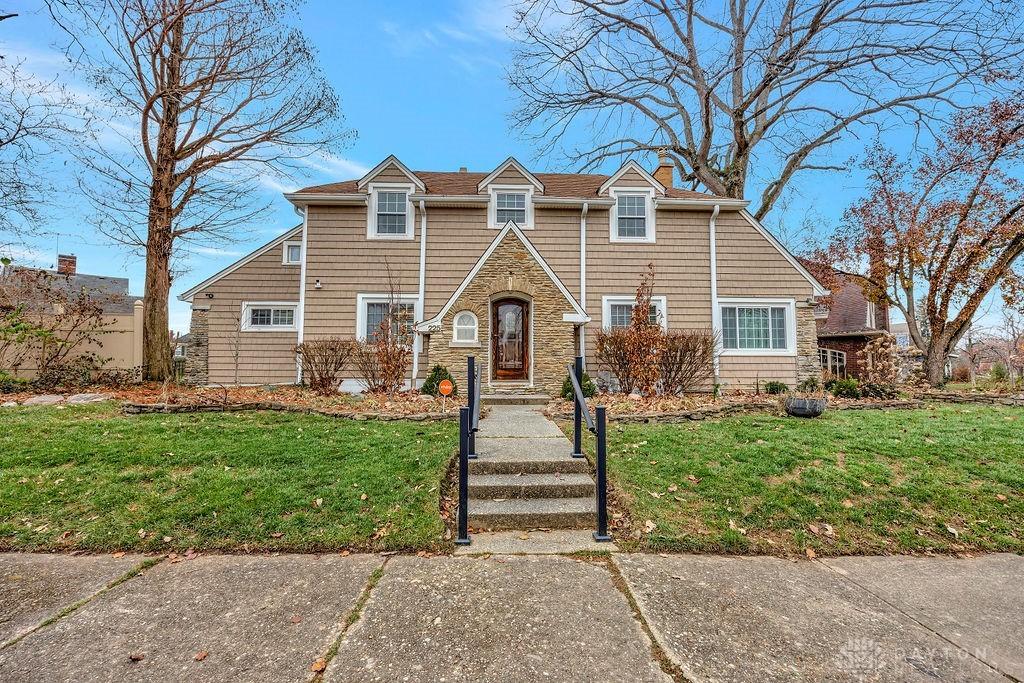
(578, 315)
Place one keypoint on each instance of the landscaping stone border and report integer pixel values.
(170, 408)
(759, 407)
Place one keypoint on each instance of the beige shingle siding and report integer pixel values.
(263, 357)
(510, 176)
(391, 174)
(749, 265)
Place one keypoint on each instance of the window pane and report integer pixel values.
(778, 328)
(632, 205)
(511, 200)
(259, 316)
(632, 216)
(729, 335)
(284, 316)
(619, 315)
(517, 216)
(391, 223)
(294, 253)
(376, 312)
(752, 327)
(391, 202)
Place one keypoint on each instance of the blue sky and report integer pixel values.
(424, 80)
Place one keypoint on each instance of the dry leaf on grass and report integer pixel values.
(276, 534)
(847, 503)
(811, 554)
(649, 526)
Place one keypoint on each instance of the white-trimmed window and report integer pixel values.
(510, 203)
(833, 362)
(758, 327)
(632, 217)
(391, 214)
(375, 310)
(464, 328)
(292, 255)
(617, 311)
(269, 316)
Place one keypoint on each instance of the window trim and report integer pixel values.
(492, 204)
(475, 341)
(756, 302)
(660, 302)
(613, 216)
(246, 316)
(284, 255)
(383, 298)
(371, 220)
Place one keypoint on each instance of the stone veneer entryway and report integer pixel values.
(511, 271)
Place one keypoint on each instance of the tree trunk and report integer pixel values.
(156, 341)
(935, 363)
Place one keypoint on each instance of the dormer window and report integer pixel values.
(632, 216)
(510, 204)
(390, 212)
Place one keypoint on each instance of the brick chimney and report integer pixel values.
(67, 264)
(665, 172)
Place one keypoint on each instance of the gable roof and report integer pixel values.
(392, 159)
(501, 169)
(631, 165)
(454, 183)
(578, 311)
(277, 241)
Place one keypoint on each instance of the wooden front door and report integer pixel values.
(510, 346)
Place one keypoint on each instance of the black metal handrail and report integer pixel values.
(469, 425)
(597, 425)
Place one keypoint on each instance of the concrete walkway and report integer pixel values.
(510, 617)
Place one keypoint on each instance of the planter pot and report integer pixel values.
(805, 407)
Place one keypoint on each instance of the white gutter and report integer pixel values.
(678, 203)
(423, 290)
(716, 312)
(583, 277)
(304, 212)
(306, 198)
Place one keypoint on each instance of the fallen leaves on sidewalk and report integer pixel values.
(319, 665)
(201, 655)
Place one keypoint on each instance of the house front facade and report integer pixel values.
(847, 325)
(519, 269)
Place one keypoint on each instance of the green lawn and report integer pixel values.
(872, 481)
(91, 478)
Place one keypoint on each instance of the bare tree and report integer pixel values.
(208, 96)
(36, 116)
(722, 86)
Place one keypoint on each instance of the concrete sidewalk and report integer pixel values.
(511, 617)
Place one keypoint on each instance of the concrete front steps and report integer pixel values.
(515, 399)
(525, 476)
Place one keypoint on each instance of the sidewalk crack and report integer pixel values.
(351, 618)
(74, 607)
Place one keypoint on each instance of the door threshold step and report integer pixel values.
(522, 485)
(532, 513)
(515, 399)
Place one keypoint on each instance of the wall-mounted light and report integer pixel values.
(317, 285)
(209, 295)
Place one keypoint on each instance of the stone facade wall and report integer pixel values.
(807, 362)
(511, 272)
(197, 360)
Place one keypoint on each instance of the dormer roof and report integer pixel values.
(505, 165)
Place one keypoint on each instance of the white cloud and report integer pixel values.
(216, 252)
(26, 256)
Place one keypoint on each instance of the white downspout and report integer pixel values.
(422, 293)
(583, 279)
(716, 312)
(304, 212)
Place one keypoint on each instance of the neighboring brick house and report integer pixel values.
(846, 325)
(517, 268)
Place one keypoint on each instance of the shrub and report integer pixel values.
(71, 374)
(9, 384)
(961, 374)
(999, 373)
(846, 388)
(323, 361)
(587, 385)
(632, 353)
(687, 360)
(810, 384)
(438, 373)
(879, 356)
(878, 390)
(775, 387)
(383, 360)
